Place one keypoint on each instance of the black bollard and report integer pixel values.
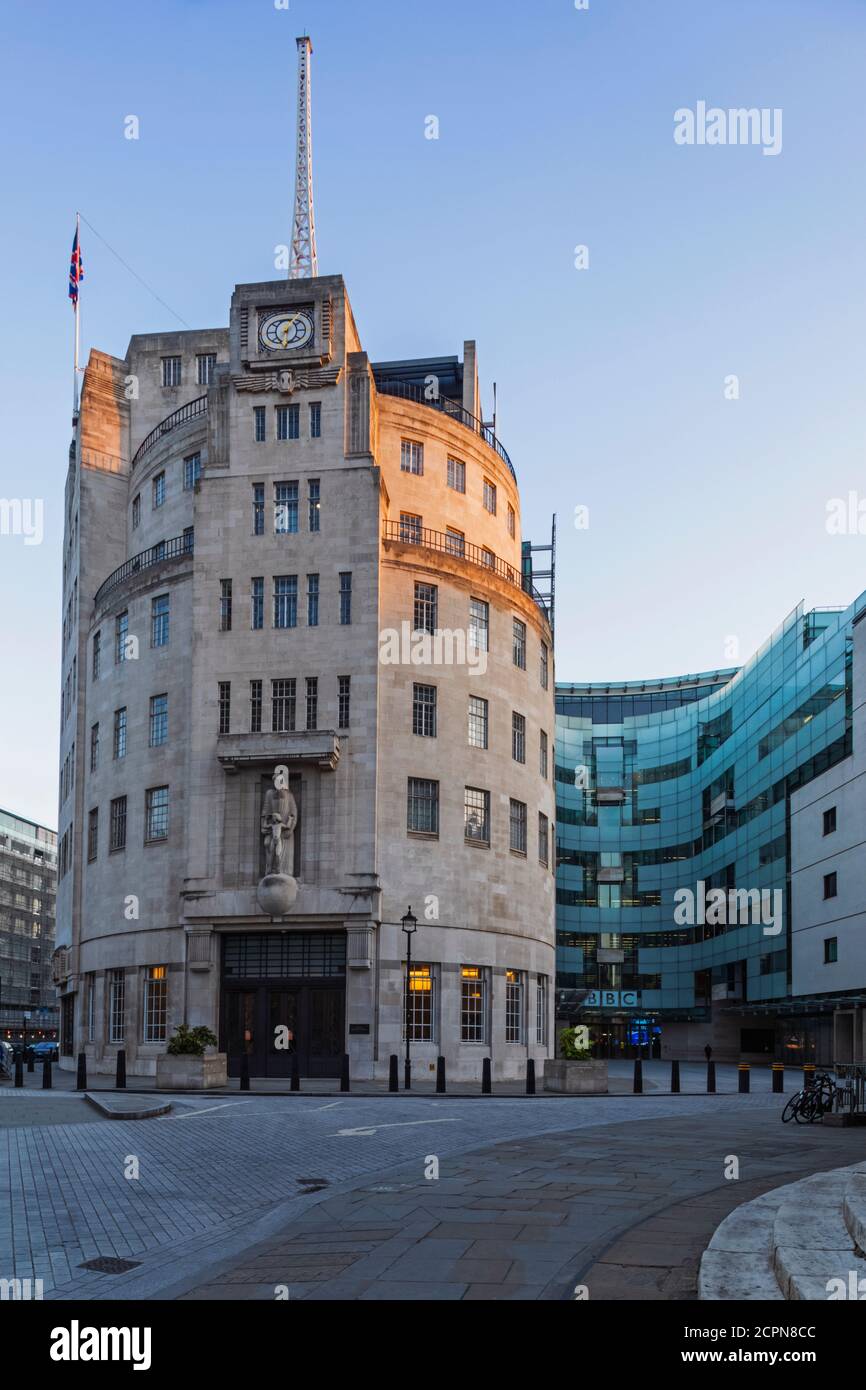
(245, 1072)
(743, 1071)
(638, 1076)
(808, 1076)
(711, 1078)
(19, 1070)
(120, 1073)
(46, 1074)
(530, 1076)
(440, 1076)
(81, 1074)
(675, 1078)
(486, 1087)
(296, 1072)
(30, 1060)
(778, 1078)
(344, 1073)
(393, 1073)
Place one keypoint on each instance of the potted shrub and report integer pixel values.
(575, 1071)
(190, 1062)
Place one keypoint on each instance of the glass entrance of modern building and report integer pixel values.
(284, 994)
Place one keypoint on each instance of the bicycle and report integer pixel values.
(812, 1102)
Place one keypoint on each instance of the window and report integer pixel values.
(117, 824)
(121, 632)
(488, 558)
(225, 707)
(312, 702)
(94, 747)
(315, 419)
(116, 1006)
(97, 656)
(424, 710)
(260, 428)
(490, 496)
(171, 372)
(156, 813)
(830, 887)
(285, 508)
(541, 1010)
(258, 508)
(830, 820)
(420, 1012)
(313, 503)
(158, 486)
(257, 603)
(158, 720)
(831, 950)
(513, 1006)
(544, 666)
(455, 541)
(423, 806)
(519, 643)
(457, 475)
(159, 616)
(410, 528)
(312, 600)
(476, 815)
(286, 600)
(543, 839)
(542, 753)
(411, 457)
(92, 833)
(518, 738)
(344, 696)
(472, 1004)
(477, 722)
(120, 733)
(283, 706)
(205, 363)
(288, 422)
(188, 539)
(517, 820)
(426, 607)
(479, 624)
(512, 521)
(191, 471)
(255, 707)
(346, 599)
(155, 1003)
(225, 605)
(136, 511)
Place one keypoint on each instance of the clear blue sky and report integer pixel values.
(707, 516)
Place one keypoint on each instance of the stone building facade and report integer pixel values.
(285, 562)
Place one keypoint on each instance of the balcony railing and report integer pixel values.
(190, 411)
(460, 549)
(164, 550)
(407, 391)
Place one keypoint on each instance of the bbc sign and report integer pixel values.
(612, 999)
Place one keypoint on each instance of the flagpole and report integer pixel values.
(75, 307)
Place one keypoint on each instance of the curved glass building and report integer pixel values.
(673, 842)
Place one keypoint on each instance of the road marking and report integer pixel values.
(206, 1111)
(334, 1106)
(405, 1124)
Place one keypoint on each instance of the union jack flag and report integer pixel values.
(76, 271)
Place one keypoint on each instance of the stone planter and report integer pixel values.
(575, 1078)
(191, 1073)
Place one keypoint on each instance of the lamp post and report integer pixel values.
(408, 923)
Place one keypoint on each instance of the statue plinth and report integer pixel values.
(276, 894)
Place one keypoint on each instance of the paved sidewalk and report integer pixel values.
(623, 1209)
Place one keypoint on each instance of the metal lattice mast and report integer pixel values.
(304, 261)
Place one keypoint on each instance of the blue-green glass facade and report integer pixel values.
(664, 784)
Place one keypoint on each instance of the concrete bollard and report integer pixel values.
(440, 1076)
(393, 1074)
(120, 1071)
(778, 1070)
(711, 1078)
(530, 1076)
(486, 1087)
(808, 1076)
(744, 1074)
(675, 1078)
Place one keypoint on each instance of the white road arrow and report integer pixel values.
(405, 1124)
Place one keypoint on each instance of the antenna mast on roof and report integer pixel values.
(304, 261)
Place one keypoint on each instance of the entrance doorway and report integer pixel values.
(284, 995)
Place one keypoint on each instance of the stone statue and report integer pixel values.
(278, 889)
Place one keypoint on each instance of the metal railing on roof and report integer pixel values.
(190, 411)
(455, 410)
(448, 543)
(164, 550)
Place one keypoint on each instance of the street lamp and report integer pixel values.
(408, 923)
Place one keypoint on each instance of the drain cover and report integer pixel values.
(109, 1264)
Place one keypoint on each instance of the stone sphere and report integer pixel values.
(276, 894)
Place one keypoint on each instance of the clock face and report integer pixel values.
(285, 330)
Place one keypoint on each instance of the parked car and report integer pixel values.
(43, 1051)
(7, 1058)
